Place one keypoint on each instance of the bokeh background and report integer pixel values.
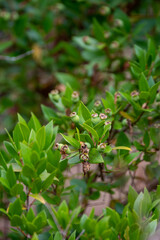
(46, 43)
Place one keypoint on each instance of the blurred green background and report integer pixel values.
(45, 44)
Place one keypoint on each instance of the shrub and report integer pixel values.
(102, 123)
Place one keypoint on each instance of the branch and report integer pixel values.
(14, 59)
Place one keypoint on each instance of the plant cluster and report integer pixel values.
(102, 119)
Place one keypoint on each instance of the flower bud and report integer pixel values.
(135, 95)
(107, 35)
(114, 45)
(98, 104)
(75, 96)
(58, 146)
(117, 97)
(124, 122)
(74, 117)
(102, 116)
(118, 23)
(55, 95)
(108, 111)
(101, 147)
(95, 119)
(108, 123)
(105, 10)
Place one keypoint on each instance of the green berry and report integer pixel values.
(95, 119)
(124, 122)
(74, 117)
(75, 96)
(55, 95)
(101, 147)
(88, 145)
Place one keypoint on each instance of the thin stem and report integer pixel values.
(80, 234)
(14, 59)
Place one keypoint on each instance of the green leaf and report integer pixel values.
(71, 141)
(151, 49)
(122, 138)
(3, 162)
(98, 31)
(35, 237)
(132, 196)
(5, 45)
(48, 112)
(10, 148)
(27, 171)
(65, 78)
(141, 55)
(73, 236)
(41, 137)
(74, 160)
(16, 221)
(146, 139)
(83, 112)
(95, 156)
(15, 208)
(24, 131)
(25, 152)
(11, 177)
(129, 158)
(34, 123)
(58, 236)
(153, 91)
(49, 134)
(143, 84)
(92, 131)
(49, 180)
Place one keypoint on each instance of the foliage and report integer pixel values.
(102, 119)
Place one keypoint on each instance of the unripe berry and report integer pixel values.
(114, 45)
(108, 111)
(101, 147)
(75, 96)
(55, 95)
(117, 97)
(65, 149)
(86, 39)
(108, 123)
(74, 117)
(124, 122)
(105, 10)
(88, 145)
(98, 105)
(95, 119)
(58, 146)
(118, 23)
(107, 35)
(135, 95)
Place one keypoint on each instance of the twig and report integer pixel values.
(80, 234)
(55, 220)
(14, 59)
